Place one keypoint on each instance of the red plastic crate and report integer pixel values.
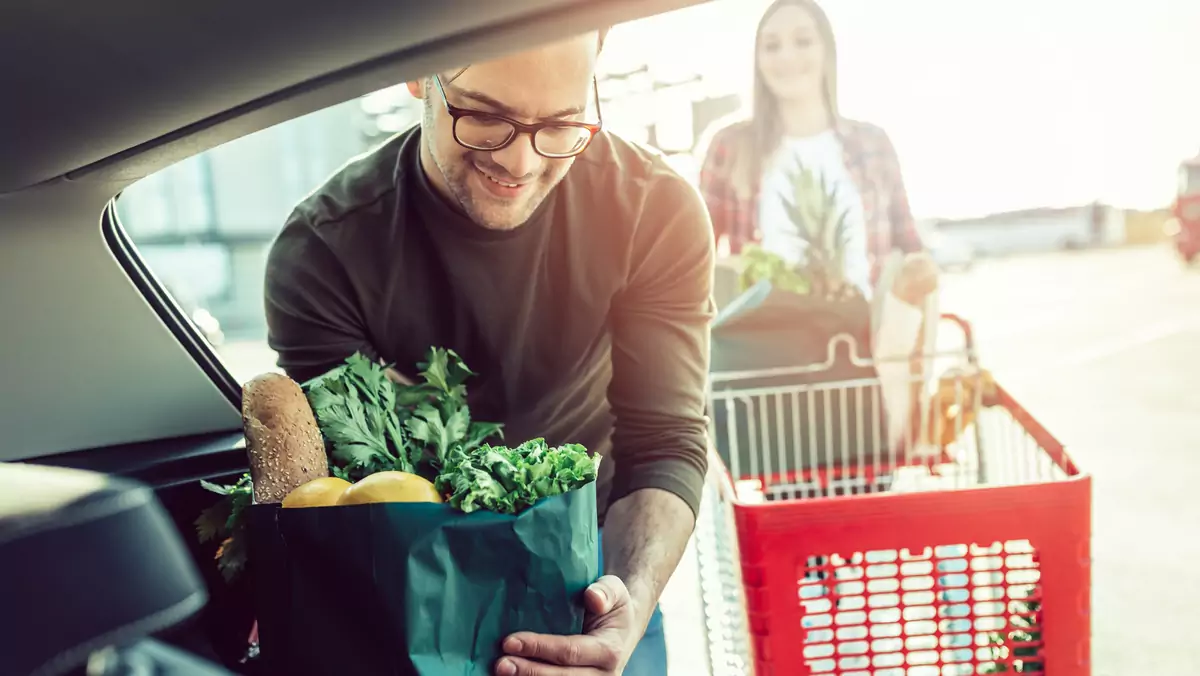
(989, 578)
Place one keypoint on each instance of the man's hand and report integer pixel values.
(917, 279)
(611, 632)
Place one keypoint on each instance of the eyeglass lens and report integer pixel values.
(483, 132)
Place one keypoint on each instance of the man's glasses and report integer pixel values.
(477, 130)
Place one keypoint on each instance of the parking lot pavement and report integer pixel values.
(1103, 347)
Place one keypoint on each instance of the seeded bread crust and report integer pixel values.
(283, 442)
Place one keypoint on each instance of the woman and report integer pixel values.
(749, 176)
(794, 120)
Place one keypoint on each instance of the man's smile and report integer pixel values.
(497, 187)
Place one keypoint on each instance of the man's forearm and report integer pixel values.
(645, 535)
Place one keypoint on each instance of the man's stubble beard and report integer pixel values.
(458, 175)
(454, 181)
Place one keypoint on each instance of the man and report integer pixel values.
(577, 284)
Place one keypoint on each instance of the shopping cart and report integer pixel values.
(961, 549)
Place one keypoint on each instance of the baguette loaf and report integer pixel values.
(283, 442)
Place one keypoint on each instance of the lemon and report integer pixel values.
(323, 492)
(390, 487)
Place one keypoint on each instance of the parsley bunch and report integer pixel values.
(371, 424)
(508, 480)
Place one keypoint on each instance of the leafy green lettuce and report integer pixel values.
(372, 424)
(508, 480)
(759, 264)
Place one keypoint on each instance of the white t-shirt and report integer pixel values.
(895, 335)
(821, 154)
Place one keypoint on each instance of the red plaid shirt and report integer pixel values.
(872, 163)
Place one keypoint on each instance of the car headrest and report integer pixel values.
(87, 561)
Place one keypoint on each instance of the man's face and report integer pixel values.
(501, 189)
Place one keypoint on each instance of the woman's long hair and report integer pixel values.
(765, 128)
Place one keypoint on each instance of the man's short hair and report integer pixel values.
(603, 33)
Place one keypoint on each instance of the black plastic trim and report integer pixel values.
(162, 463)
(173, 469)
(160, 301)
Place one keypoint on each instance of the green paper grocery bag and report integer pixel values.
(416, 589)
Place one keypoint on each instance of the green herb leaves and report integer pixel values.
(508, 480)
(759, 264)
(224, 520)
(372, 424)
(355, 407)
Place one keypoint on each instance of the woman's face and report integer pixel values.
(791, 54)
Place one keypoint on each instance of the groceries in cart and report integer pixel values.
(813, 363)
(982, 569)
(988, 577)
(969, 556)
(387, 532)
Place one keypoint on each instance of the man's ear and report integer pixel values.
(417, 88)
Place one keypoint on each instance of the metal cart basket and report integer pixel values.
(961, 548)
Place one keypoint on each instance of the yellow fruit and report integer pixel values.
(390, 487)
(323, 492)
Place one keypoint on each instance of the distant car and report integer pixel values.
(1183, 229)
(1184, 225)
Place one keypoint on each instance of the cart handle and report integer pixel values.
(968, 333)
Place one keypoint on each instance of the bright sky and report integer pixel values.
(992, 105)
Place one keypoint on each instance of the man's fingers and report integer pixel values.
(605, 594)
(567, 651)
(519, 666)
(599, 652)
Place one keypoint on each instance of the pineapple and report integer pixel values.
(814, 212)
(824, 227)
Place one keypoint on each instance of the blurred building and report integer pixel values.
(204, 224)
(1033, 230)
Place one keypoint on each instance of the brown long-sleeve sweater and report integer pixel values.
(587, 324)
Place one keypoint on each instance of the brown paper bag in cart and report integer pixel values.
(902, 338)
(944, 389)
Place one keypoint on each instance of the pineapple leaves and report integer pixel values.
(822, 223)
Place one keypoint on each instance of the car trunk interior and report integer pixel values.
(174, 469)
